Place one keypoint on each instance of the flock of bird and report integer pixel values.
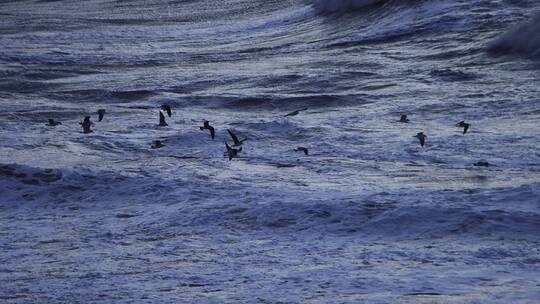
(235, 147)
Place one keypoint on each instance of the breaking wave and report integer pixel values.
(522, 39)
(330, 6)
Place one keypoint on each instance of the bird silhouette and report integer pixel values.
(207, 126)
(86, 124)
(302, 149)
(232, 152)
(235, 139)
(101, 113)
(464, 125)
(167, 108)
(162, 122)
(421, 137)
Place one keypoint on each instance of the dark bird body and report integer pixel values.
(208, 127)
(294, 113)
(235, 139)
(86, 124)
(302, 149)
(162, 122)
(232, 152)
(482, 163)
(53, 123)
(167, 108)
(421, 137)
(157, 144)
(404, 119)
(101, 113)
(464, 125)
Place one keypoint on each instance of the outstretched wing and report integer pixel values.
(233, 137)
(162, 121)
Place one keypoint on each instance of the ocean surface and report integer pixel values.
(369, 216)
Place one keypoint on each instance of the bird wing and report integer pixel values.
(234, 138)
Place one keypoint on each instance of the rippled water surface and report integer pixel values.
(368, 216)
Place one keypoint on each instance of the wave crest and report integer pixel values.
(522, 39)
(332, 6)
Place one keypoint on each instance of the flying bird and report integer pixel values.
(207, 126)
(157, 144)
(162, 122)
(482, 163)
(464, 125)
(235, 139)
(101, 113)
(422, 137)
(231, 152)
(86, 124)
(302, 149)
(404, 119)
(167, 108)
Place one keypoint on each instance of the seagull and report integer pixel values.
(86, 124)
(166, 108)
(294, 113)
(404, 119)
(422, 137)
(231, 152)
(101, 113)
(162, 122)
(302, 149)
(207, 126)
(53, 123)
(464, 125)
(235, 139)
(157, 144)
(482, 163)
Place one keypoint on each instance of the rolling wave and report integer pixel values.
(332, 6)
(522, 39)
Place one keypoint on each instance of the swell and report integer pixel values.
(273, 102)
(520, 40)
(101, 95)
(402, 214)
(333, 6)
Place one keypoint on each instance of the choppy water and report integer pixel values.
(368, 216)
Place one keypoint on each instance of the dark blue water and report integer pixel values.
(368, 216)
